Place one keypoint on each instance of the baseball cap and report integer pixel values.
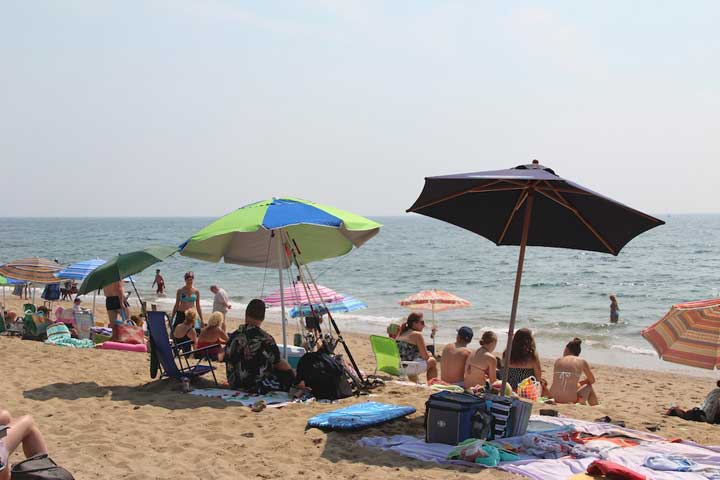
(466, 333)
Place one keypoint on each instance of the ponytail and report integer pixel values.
(411, 319)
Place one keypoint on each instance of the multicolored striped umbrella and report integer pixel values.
(347, 304)
(296, 295)
(689, 334)
(34, 270)
(434, 300)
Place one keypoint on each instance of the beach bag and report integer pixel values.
(39, 467)
(131, 334)
(324, 375)
(530, 388)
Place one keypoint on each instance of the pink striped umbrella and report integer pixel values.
(435, 301)
(296, 295)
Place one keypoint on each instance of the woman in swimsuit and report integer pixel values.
(184, 333)
(214, 334)
(411, 345)
(524, 360)
(482, 365)
(187, 297)
(567, 386)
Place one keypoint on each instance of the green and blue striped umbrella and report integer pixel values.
(245, 236)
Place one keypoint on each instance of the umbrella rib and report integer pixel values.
(565, 203)
(498, 189)
(519, 203)
(450, 197)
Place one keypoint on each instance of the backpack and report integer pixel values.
(39, 467)
(325, 375)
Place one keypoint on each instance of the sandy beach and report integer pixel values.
(103, 417)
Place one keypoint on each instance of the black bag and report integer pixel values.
(451, 418)
(325, 375)
(39, 467)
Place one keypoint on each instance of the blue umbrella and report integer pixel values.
(80, 270)
(348, 304)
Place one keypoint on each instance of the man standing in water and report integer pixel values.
(116, 306)
(455, 356)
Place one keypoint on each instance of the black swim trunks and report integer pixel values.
(112, 303)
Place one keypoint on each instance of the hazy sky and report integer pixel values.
(179, 107)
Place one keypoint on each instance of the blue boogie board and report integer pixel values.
(359, 416)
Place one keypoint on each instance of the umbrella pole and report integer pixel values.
(278, 237)
(93, 310)
(516, 293)
(435, 327)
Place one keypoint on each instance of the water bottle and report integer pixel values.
(185, 384)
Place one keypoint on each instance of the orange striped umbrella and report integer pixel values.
(34, 270)
(688, 334)
(435, 300)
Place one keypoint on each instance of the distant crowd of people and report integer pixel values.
(572, 380)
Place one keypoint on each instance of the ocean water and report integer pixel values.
(564, 292)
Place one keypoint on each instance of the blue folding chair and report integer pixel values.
(163, 354)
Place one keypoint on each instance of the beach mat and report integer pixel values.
(272, 399)
(359, 416)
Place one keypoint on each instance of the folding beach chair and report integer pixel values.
(83, 323)
(387, 358)
(163, 355)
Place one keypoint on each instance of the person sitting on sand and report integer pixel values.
(22, 431)
(214, 334)
(567, 386)
(411, 345)
(482, 365)
(524, 360)
(454, 357)
(184, 333)
(252, 358)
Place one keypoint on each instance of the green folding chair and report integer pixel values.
(387, 355)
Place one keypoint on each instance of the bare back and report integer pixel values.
(566, 377)
(452, 363)
(481, 366)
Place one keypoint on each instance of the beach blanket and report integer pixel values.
(272, 399)
(359, 416)
(59, 334)
(706, 458)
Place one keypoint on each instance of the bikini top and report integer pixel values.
(188, 299)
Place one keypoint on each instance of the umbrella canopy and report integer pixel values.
(531, 205)
(34, 270)
(244, 236)
(689, 334)
(564, 214)
(297, 295)
(79, 270)
(434, 300)
(124, 265)
(347, 304)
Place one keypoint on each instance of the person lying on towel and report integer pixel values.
(252, 357)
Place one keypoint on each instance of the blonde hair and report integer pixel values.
(190, 316)
(488, 338)
(215, 319)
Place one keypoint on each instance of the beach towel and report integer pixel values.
(359, 416)
(632, 458)
(272, 399)
(59, 334)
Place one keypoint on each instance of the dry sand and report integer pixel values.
(103, 417)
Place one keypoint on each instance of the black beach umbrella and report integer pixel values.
(531, 205)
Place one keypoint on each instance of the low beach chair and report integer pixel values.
(166, 354)
(387, 358)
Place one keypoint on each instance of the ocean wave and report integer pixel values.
(635, 350)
